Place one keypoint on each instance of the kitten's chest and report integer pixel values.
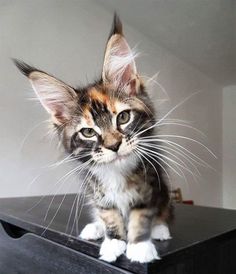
(116, 190)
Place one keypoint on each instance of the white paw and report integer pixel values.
(111, 249)
(160, 232)
(142, 252)
(92, 231)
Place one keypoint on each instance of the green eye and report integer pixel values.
(123, 117)
(88, 132)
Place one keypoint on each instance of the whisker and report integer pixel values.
(168, 113)
(79, 192)
(142, 154)
(161, 160)
(180, 137)
(177, 172)
(65, 177)
(183, 125)
(169, 159)
(67, 160)
(199, 161)
(155, 160)
(81, 204)
(167, 149)
(54, 216)
(152, 80)
(29, 133)
(141, 160)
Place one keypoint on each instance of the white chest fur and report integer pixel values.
(113, 179)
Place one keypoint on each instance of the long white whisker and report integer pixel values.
(180, 137)
(152, 79)
(169, 159)
(168, 113)
(183, 125)
(65, 177)
(168, 149)
(142, 155)
(67, 160)
(182, 149)
(64, 196)
(29, 133)
(145, 170)
(79, 192)
(86, 180)
(149, 154)
(176, 166)
(81, 201)
(179, 104)
(71, 210)
(154, 159)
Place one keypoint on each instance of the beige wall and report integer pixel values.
(229, 147)
(67, 39)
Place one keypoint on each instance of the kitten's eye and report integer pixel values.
(123, 117)
(88, 132)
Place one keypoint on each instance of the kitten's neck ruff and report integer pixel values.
(113, 175)
(114, 180)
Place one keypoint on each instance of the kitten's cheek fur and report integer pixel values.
(142, 252)
(111, 249)
(93, 231)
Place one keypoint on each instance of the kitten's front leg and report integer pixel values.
(93, 231)
(140, 247)
(114, 243)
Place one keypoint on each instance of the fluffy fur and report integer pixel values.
(101, 125)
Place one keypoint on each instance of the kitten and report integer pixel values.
(103, 125)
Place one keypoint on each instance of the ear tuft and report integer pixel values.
(116, 26)
(23, 67)
(58, 98)
(119, 68)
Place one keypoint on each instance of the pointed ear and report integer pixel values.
(56, 97)
(119, 67)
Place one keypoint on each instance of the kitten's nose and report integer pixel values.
(114, 147)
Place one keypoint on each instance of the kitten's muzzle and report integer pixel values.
(112, 140)
(114, 147)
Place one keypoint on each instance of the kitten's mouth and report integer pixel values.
(119, 158)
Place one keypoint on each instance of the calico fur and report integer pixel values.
(128, 189)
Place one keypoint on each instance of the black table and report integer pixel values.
(204, 241)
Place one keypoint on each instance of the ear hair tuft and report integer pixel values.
(24, 68)
(116, 26)
(119, 67)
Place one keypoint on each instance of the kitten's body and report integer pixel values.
(102, 126)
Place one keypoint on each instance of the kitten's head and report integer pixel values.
(99, 121)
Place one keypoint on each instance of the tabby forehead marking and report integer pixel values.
(103, 98)
(87, 118)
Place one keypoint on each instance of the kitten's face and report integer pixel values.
(106, 124)
(98, 122)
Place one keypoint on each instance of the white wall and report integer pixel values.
(67, 39)
(229, 147)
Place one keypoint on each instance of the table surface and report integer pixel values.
(53, 217)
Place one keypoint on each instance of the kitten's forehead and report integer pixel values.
(103, 101)
(101, 108)
(102, 105)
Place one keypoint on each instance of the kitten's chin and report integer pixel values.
(127, 161)
(124, 164)
(118, 159)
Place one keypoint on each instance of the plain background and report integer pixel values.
(190, 44)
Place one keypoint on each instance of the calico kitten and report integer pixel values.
(102, 125)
